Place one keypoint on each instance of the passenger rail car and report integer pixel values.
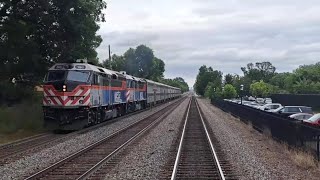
(80, 94)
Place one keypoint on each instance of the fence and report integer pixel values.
(294, 133)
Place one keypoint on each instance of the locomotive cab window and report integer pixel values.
(56, 76)
(79, 76)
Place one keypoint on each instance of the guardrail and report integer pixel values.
(284, 129)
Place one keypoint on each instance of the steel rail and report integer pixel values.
(92, 146)
(211, 145)
(175, 168)
(214, 154)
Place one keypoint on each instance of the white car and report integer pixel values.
(260, 100)
(270, 106)
(268, 100)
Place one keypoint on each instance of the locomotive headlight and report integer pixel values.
(64, 88)
(80, 102)
(49, 101)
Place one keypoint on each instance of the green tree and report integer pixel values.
(176, 82)
(205, 76)
(139, 62)
(209, 90)
(37, 33)
(229, 92)
(118, 63)
(262, 89)
(259, 71)
(228, 79)
(158, 68)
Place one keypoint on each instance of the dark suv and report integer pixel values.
(289, 110)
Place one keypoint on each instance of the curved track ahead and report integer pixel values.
(86, 162)
(196, 157)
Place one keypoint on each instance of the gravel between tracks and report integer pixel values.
(253, 154)
(40, 160)
(149, 154)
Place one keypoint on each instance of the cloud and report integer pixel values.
(223, 34)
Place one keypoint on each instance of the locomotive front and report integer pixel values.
(66, 97)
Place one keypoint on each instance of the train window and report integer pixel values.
(56, 75)
(128, 83)
(141, 85)
(116, 83)
(105, 81)
(101, 78)
(79, 76)
(95, 80)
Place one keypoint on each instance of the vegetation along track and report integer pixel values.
(197, 157)
(86, 162)
(15, 150)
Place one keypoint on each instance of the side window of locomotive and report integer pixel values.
(141, 85)
(116, 83)
(128, 84)
(95, 79)
(101, 79)
(105, 81)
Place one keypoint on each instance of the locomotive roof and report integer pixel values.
(81, 66)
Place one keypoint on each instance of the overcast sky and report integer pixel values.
(224, 34)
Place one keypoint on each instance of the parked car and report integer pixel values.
(301, 116)
(289, 110)
(260, 100)
(270, 106)
(254, 105)
(251, 98)
(268, 100)
(314, 120)
(245, 102)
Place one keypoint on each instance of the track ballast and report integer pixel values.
(196, 157)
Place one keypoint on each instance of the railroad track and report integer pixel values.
(86, 163)
(16, 150)
(196, 157)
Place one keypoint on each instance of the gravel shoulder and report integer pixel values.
(44, 158)
(149, 155)
(254, 155)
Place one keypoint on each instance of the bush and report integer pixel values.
(27, 116)
(14, 93)
(229, 92)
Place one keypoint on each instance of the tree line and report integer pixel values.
(142, 62)
(259, 79)
(35, 34)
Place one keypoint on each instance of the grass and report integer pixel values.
(302, 158)
(20, 121)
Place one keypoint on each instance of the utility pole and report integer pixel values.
(110, 58)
